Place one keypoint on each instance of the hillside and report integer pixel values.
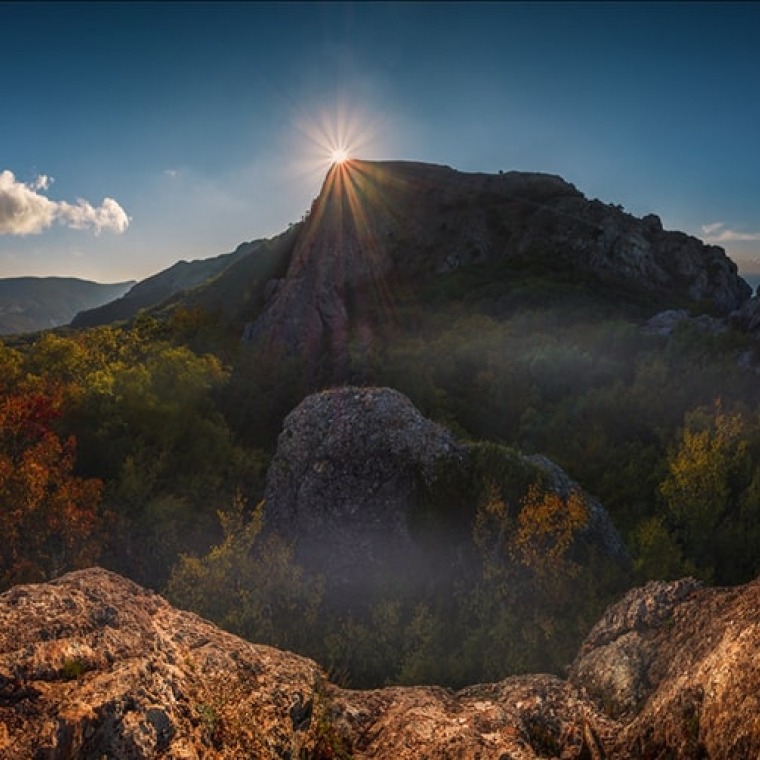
(28, 304)
(154, 291)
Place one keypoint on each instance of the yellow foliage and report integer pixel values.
(697, 487)
(546, 526)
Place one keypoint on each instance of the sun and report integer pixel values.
(334, 136)
(338, 155)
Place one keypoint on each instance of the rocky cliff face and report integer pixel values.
(93, 666)
(378, 229)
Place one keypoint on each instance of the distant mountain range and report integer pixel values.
(28, 304)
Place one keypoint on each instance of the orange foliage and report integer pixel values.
(48, 516)
(546, 527)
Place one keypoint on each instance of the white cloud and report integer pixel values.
(24, 210)
(108, 216)
(717, 232)
(42, 182)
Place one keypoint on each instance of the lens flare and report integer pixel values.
(339, 156)
(334, 136)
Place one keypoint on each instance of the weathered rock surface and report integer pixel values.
(345, 479)
(678, 666)
(665, 323)
(380, 227)
(93, 666)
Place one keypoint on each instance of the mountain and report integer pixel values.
(381, 233)
(92, 666)
(28, 304)
(154, 291)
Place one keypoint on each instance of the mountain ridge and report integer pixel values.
(29, 304)
(380, 229)
(162, 286)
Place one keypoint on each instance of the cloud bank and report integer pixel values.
(717, 232)
(24, 210)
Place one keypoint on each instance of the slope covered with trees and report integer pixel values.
(144, 447)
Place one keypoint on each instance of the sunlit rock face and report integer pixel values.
(93, 666)
(378, 230)
(676, 664)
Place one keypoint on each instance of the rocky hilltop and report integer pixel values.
(93, 666)
(379, 229)
(380, 232)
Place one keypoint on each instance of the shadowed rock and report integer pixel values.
(380, 229)
(345, 483)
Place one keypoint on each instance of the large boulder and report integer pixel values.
(351, 469)
(677, 665)
(345, 477)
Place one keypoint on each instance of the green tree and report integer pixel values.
(249, 584)
(707, 470)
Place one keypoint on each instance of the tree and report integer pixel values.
(249, 584)
(48, 516)
(707, 470)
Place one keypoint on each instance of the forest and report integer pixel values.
(143, 447)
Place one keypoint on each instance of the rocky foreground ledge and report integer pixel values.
(93, 666)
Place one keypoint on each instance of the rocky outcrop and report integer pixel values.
(93, 666)
(379, 229)
(677, 666)
(345, 483)
(344, 479)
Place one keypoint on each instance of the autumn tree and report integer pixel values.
(708, 470)
(48, 516)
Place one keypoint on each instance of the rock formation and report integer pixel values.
(93, 666)
(378, 229)
(345, 482)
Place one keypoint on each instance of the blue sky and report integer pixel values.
(133, 135)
